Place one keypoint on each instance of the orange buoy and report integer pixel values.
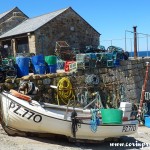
(21, 96)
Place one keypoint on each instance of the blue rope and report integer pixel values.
(95, 121)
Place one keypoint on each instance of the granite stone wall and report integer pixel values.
(122, 83)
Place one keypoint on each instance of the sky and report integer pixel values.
(113, 19)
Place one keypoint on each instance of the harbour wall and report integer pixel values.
(121, 83)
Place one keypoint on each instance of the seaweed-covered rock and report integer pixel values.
(36, 77)
(51, 75)
(17, 80)
(9, 86)
(8, 81)
(28, 77)
(44, 76)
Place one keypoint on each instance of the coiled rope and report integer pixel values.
(65, 92)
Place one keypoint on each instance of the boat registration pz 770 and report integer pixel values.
(23, 112)
(128, 128)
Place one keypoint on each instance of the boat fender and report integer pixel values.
(21, 96)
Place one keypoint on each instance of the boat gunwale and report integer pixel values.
(59, 118)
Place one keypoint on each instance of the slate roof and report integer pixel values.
(32, 24)
(5, 13)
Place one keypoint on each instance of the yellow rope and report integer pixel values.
(65, 91)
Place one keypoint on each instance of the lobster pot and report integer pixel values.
(80, 65)
(51, 60)
(11, 57)
(99, 56)
(39, 69)
(11, 72)
(105, 56)
(22, 64)
(5, 61)
(80, 57)
(60, 65)
(88, 56)
(110, 63)
(93, 56)
(38, 59)
(118, 55)
(109, 56)
(116, 62)
(52, 68)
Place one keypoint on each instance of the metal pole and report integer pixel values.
(100, 39)
(138, 49)
(125, 41)
(131, 46)
(147, 45)
(135, 42)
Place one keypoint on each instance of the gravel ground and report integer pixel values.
(34, 143)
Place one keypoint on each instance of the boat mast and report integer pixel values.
(143, 90)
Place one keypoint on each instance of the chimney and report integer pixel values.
(135, 42)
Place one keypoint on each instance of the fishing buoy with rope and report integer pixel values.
(21, 96)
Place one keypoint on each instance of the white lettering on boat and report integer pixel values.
(128, 128)
(23, 112)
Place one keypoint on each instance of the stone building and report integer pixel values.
(11, 19)
(40, 34)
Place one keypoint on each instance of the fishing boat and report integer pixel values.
(29, 116)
